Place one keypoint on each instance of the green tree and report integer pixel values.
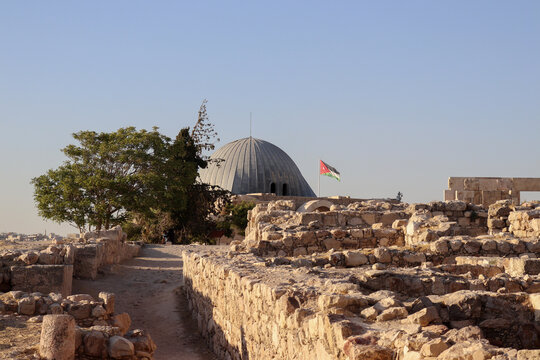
(238, 215)
(138, 178)
(60, 198)
(106, 176)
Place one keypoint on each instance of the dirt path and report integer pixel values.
(146, 287)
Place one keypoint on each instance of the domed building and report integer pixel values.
(252, 165)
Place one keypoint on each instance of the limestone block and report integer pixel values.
(464, 222)
(56, 308)
(330, 218)
(528, 354)
(123, 322)
(494, 223)
(456, 183)
(491, 197)
(505, 184)
(439, 247)
(80, 311)
(434, 347)
(120, 347)
(449, 195)
(356, 349)
(369, 313)
(522, 266)
(526, 184)
(471, 184)
(412, 355)
(490, 184)
(399, 224)
(29, 258)
(87, 261)
(414, 258)
(477, 198)
(95, 344)
(114, 234)
(389, 217)
(535, 224)
(26, 306)
(142, 341)
(397, 312)
(300, 251)
(425, 316)
(332, 243)
(98, 311)
(465, 195)
(57, 340)
(69, 256)
(42, 278)
(382, 255)
(108, 301)
(355, 221)
(355, 258)
(370, 218)
(80, 297)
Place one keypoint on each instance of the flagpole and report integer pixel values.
(319, 182)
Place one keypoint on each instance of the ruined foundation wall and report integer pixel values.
(244, 318)
(249, 307)
(52, 269)
(277, 229)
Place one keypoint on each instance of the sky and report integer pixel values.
(396, 95)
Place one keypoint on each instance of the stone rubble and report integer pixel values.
(79, 326)
(52, 269)
(36, 285)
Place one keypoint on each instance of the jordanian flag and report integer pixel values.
(329, 171)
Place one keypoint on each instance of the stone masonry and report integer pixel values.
(488, 190)
(373, 281)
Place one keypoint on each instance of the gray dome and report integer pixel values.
(255, 166)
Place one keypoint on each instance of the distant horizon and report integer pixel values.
(397, 96)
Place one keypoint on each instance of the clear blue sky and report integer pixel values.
(397, 95)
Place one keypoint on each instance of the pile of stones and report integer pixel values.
(79, 326)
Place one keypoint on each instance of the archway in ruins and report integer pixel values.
(315, 205)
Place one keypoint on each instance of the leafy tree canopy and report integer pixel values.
(136, 176)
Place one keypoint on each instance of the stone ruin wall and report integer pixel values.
(277, 229)
(98, 333)
(332, 314)
(488, 190)
(52, 269)
(88, 326)
(372, 280)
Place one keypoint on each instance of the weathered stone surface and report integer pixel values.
(27, 306)
(108, 300)
(87, 261)
(29, 258)
(434, 347)
(42, 278)
(80, 310)
(365, 348)
(355, 258)
(468, 350)
(142, 341)
(393, 313)
(425, 316)
(80, 297)
(123, 322)
(95, 344)
(57, 337)
(120, 347)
